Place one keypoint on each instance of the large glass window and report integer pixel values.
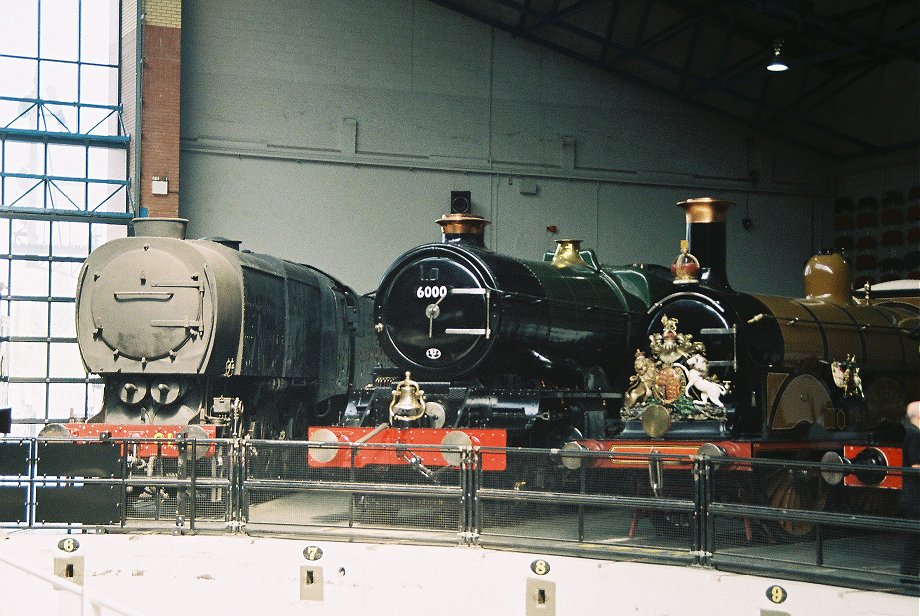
(63, 191)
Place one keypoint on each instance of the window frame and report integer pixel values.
(100, 194)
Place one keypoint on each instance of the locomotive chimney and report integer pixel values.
(160, 227)
(706, 236)
(827, 277)
(463, 228)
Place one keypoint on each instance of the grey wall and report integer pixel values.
(874, 177)
(332, 133)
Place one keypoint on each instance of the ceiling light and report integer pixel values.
(778, 63)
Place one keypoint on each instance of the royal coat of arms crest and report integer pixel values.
(676, 376)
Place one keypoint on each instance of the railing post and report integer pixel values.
(157, 465)
(581, 506)
(819, 545)
(124, 483)
(465, 515)
(474, 505)
(192, 491)
(702, 480)
(710, 527)
(181, 475)
(241, 457)
(31, 464)
(352, 453)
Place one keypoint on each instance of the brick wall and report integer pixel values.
(164, 13)
(160, 118)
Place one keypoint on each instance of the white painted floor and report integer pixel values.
(227, 575)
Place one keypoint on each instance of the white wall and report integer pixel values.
(332, 133)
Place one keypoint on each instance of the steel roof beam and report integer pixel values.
(712, 10)
(522, 17)
(556, 15)
(729, 37)
(660, 37)
(691, 51)
(869, 10)
(643, 22)
(862, 144)
(608, 33)
(839, 89)
(743, 72)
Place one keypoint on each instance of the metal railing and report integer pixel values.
(758, 516)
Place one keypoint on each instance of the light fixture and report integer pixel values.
(778, 63)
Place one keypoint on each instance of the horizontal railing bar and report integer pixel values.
(868, 579)
(585, 499)
(384, 488)
(356, 446)
(819, 517)
(47, 481)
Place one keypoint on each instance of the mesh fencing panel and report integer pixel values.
(170, 482)
(593, 499)
(285, 486)
(808, 517)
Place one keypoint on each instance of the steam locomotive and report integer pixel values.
(506, 351)
(735, 375)
(197, 337)
(721, 364)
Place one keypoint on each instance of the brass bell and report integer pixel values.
(408, 401)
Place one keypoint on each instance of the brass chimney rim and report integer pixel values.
(460, 223)
(706, 209)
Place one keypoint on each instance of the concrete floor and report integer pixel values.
(201, 575)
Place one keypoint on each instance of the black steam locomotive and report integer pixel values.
(504, 351)
(201, 337)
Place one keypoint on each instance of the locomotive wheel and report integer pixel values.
(795, 489)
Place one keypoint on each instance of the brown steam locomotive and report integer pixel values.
(738, 375)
